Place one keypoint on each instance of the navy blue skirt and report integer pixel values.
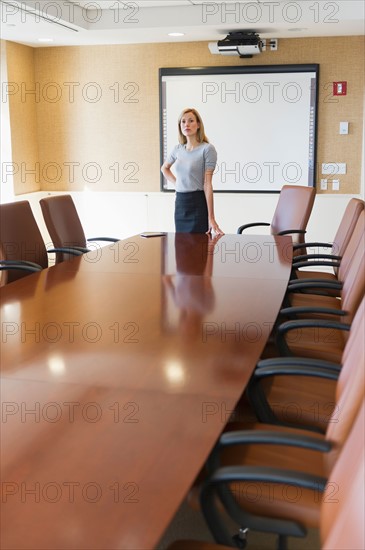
(191, 212)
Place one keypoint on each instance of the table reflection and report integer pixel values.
(189, 295)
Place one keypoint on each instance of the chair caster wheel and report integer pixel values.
(240, 540)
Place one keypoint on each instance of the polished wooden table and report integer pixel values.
(119, 370)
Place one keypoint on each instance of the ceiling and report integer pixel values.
(84, 22)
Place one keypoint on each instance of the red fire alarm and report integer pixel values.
(339, 88)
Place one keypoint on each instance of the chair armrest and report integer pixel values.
(12, 263)
(82, 249)
(262, 437)
(319, 256)
(108, 239)
(257, 396)
(74, 251)
(298, 362)
(295, 231)
(293, 311)
(297, 265)
(228, 474)
(333, 288)
(21, 267)
(316, 372)
(247, 225)
(218, 483)
(335, 284)
(321, 287)
(298, 246)
(294, 325)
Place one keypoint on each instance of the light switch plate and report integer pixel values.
(335, 185)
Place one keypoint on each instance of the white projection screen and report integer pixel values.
(261, 119)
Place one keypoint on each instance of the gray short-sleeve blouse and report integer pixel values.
(190, 166)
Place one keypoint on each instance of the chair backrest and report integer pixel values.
(293, 210)
(356, 236)
(342, 509)
(63, 223)
(350, 389)
(3, 274)
(20, 237)
(353, 278)
(347, 226)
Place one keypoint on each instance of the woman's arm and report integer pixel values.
(208, 190)
(166, 170)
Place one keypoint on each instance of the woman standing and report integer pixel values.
(195, 160)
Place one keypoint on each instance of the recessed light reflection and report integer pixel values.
(56, 365)
(11, 311)
(175, 373)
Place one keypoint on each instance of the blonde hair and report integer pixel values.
(200, 135)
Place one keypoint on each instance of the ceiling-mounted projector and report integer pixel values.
(244, 44)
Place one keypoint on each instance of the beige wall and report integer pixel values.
(98, 114)
(23, 118)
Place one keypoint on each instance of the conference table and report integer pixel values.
(119, 371)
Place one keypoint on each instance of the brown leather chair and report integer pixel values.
(342, 513)
(270, 479)
(292, 213)
(64, 226)
(349, 286)
(3, 269)
(281, 392)
(263, 447)
(341, 518)
(320, 338)
(295, 296)
(22, 248)
(338, 248)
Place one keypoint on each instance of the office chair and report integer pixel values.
(258, 463)
(325, 338)
(347, 285)
(292, 213)
(273, 444)
(22, 248)
(287, 391)
(341, 514)
(342, 517)
(64, 226)
(339, 256)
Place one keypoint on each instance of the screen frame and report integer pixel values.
(232, 70)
